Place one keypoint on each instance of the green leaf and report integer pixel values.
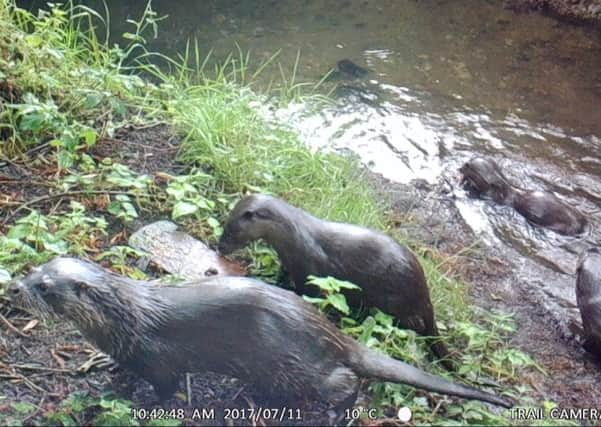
(130, 210)
(65, 159)
(31, 122)
(338, 301)
(383, 318)
(92, 100)
(19, 231)
(89, 137)
(59, 247)
(183, 208)
(215, 225)
(368, 326)
(114, 208)
(118, 107)
(23, 407)
(314, 300)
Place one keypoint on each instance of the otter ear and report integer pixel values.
(82, 286)
(260, 213)
(263, 213)
(47, 280)
(45, 283)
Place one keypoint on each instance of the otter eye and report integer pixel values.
(45, 283)
(43, 287)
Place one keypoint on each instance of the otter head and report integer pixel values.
(55, 287)
(252, 218)
(484, 177)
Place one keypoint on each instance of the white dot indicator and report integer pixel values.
(404, 414)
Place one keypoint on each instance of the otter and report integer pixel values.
(389, 275)
(485, 179)
(264, 335)
(348, 67)
(588, 296)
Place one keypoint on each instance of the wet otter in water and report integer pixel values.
(348, 67)
(588, 296)
(266, 336)
(484, 177)
(389, 275)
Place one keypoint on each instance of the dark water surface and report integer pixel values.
(448, 79)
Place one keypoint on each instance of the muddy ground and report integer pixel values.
(576, 11)
(42, 364)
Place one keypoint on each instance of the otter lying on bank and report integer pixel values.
(266, 336)
(484, 177)
(389, 275)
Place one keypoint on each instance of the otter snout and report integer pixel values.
(224, 247)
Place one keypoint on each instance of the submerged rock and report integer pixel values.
(181, 254)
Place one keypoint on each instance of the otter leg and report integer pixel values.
(592, 346)
(340, 389)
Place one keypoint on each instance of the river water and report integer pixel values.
(447, 80)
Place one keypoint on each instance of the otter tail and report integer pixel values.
(373, 364)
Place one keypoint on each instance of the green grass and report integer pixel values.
(72, 89)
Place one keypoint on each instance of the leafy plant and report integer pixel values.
(34, 229)
(330, 288)
(265, 262)
(121, 258)
(115, 412)
(123, 208)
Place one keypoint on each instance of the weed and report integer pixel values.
(330, 288)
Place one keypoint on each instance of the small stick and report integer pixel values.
(27, 382)
(385, 422)
(235, 396)
(436, 408)
(59, 360)
(189, 389)
(37, 410)
(42, 368)
(12, 327)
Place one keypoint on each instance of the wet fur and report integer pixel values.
(389, 275)
(588, 296)
(266, 336)
(484, 178)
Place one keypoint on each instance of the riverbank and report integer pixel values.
(579, 11)
(94, 148)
